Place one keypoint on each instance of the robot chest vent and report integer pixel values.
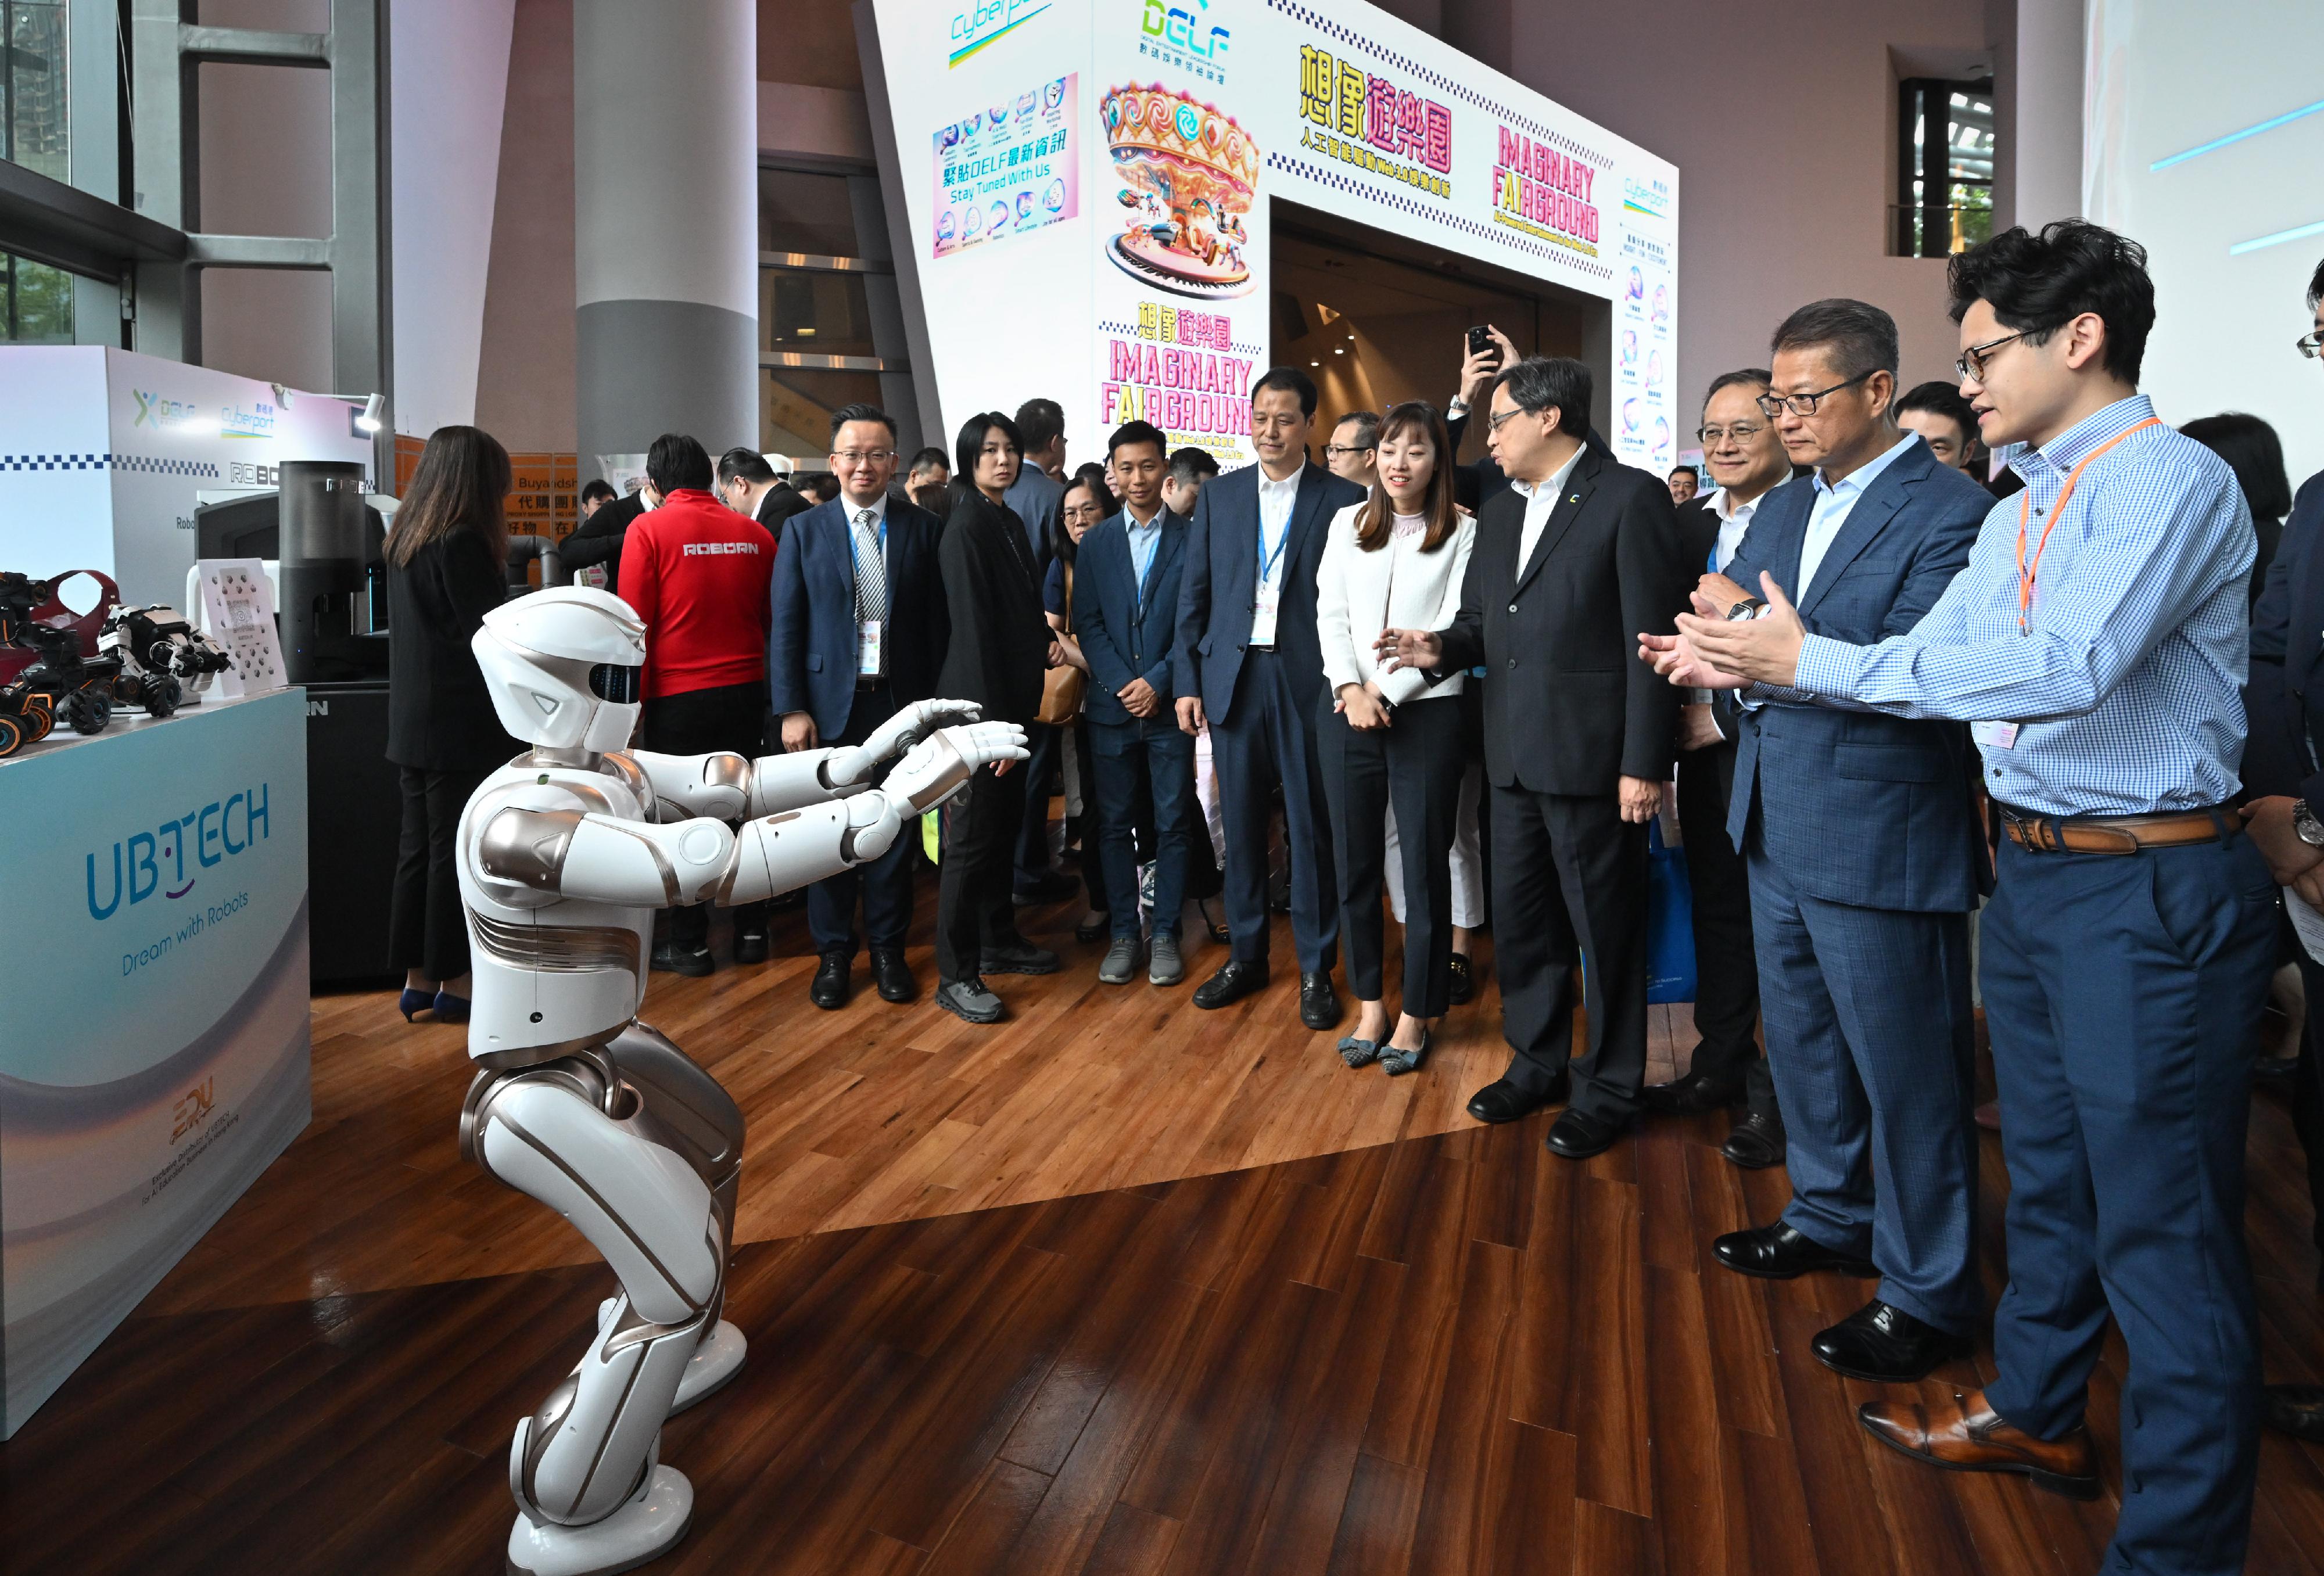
(559, 948)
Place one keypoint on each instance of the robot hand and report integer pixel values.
(940, 766)
(855, 763)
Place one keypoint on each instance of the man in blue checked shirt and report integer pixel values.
(2096, 644)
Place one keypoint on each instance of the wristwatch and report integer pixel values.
(2305, 824)
(1456, 406)
(1749, 608)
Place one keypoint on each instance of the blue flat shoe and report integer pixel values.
(451, 1008)
(1358, 1053)
(1399, 1061)
(413, 1001)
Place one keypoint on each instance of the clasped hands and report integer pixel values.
(1711, 651)
(2293, 861)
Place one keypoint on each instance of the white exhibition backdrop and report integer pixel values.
(1067, 291)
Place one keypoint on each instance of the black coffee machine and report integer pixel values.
(331, 583)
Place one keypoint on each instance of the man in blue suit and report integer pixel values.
(1865, 857)
(1249, 665)
(1126, 576)
(859, 631)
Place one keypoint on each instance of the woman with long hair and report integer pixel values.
(1087, 501)
(1389, 739)
(447, 559)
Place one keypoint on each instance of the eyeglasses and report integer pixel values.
(1741, 432)
(1335, 448)
(863, 456)
(1773, 405)
(2311, 345)
(1494, 422)
(1974, 360)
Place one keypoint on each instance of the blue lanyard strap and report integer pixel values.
(1267, 565)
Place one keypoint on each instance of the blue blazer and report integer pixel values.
(1861, 808)
(2285, 696)
(1222, 573)
(1122, 645)
(811, 643)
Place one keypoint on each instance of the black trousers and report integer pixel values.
(2308, 1091)
(885, 884)
(1726, 970)
(1414, 764)
(1040, 774)
(974, 885)
(426, 923)
(697, 721)
(1570, 874)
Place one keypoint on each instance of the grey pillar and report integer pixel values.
(666, 222)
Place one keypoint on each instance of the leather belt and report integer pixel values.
(863, 686)
(2117, 834)
(1258, 651)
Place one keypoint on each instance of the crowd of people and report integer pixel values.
(1889, 701)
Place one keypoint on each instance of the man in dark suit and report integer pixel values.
(1579, 737)
(1249, 665)
(1746, 457)
(1126, 579)
(1036, 497)
(596, 541)
(1866, 856)
(859, 631)
(747, 484)
(2285, 703)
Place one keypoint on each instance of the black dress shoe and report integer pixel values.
(1096, 929)
(829, 989)
(1778, 1252)
(1579, 1134)
(1691, 1095)
(1503, 1101)
(1464, 984)
(2296, 1410)
(1883, 1344)
(750, 946)
(1756, 1142)
(1235, 979)
(891, 975)
(1016, 957)
(1047, 887)
(1319, 1006)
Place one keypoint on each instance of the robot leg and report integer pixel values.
(591, 1494)
(685, 1109)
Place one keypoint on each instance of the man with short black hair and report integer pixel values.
(1683, 484)
(928, 480)
(697, 573)
(858, 632)
(1946, 423)
(1190, 467)
(1579, 740)
(2095, 642)
(1353, 451)
(748, 485)
(597, 494)
(1249, 665)
(1035, 496)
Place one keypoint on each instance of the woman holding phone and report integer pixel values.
(1394, 561)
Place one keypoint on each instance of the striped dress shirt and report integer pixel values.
(2126, 687)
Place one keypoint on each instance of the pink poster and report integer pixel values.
(1006, 168)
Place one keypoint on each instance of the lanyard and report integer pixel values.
(2026, 571)
(854, 553)
(1267, 565)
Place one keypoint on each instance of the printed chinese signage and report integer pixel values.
(1370, 122)
(1176, 373)
(1008, 168)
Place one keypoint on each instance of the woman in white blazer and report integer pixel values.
(1394, 561)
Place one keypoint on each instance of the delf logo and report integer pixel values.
(987, 20)
(1181, 34)
(192, 1107)
(153, 410)
(168, 859)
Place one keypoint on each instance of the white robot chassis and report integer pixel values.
(565, 855)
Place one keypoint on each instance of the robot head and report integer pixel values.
(563, 666)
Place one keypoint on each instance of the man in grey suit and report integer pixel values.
(1865, 855)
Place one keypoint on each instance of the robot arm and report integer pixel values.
(574, 855)
(717, 785)
(808, 777)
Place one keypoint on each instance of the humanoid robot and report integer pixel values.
(565, 854)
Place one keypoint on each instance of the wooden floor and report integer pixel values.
(1119, 1287)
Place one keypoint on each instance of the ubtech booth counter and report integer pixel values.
(156, 1057)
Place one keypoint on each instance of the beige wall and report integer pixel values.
(525, 369)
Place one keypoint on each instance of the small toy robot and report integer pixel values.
(165, 661)
(60, 682)
(565, 854)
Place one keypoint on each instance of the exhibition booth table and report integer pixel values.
(154, 1057)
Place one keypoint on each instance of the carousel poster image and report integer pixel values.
(1008, 167)
(1184, 175)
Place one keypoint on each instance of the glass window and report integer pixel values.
(795, 407)
(1944, 178)
(825, 313)
(799, 211)
(36, 303)
(33, 126)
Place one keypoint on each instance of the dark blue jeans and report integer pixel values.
(1124, 755)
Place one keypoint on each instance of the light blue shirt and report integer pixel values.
(1275, 501)
(2126, 686)
(1832, 508)
(1145, 541)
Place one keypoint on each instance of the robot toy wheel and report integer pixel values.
(12, 735)
(162, 695)
(88, 711)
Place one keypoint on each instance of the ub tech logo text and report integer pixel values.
(148, 862)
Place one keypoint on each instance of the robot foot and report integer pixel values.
(653, 1522)
(713, 1366)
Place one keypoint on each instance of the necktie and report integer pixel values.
(870, 572)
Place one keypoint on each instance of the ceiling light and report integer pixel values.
(369, 420)
(1339, 350)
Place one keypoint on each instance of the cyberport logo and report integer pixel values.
(984, 20)
(1650, 197)
(147, 863)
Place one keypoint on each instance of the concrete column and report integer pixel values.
(665, 223)
(2049, 112)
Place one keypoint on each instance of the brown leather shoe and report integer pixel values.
(1963, 1435)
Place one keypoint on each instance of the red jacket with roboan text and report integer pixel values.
(697, 574)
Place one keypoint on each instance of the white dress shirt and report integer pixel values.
(1541, 502)
(1832, 508)
(1275, 501)
(1734, 519)
(1359, 594)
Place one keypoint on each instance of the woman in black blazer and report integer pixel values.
(446, 565)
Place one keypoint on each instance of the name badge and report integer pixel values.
(1263, 610)
(867, 649)
(1994, 735)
